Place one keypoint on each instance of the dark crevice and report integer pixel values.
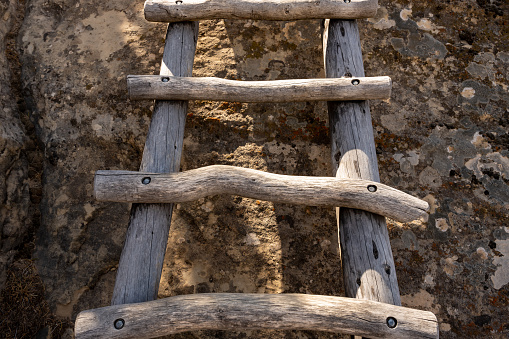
(32, 149)
(375, 250)
(24, 288)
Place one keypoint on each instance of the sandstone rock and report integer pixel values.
(443, 135)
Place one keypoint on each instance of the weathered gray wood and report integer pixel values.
(140, 265)
(179, 10)
(238, 311)
(179, 88)
(123, 186)
(367, 262)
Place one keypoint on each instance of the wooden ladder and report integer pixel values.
(373, 309)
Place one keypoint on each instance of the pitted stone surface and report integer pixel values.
(443, 136)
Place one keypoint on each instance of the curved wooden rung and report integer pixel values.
(239, 311)
(137, 187)
(188, 88)
(190, 10)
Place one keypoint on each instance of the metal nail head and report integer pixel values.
(165, 79)
(145, 181)
(355, 82)
(392, 322)
(372, 188)
(119, 324)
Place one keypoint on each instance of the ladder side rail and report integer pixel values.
(366, 256)
(141, 262)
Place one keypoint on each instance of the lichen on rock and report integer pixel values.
(443, 136)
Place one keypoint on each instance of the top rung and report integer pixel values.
(191, 10)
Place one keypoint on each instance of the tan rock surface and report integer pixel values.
(444, 135)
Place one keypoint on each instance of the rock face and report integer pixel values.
(443, 136)
(14, 193)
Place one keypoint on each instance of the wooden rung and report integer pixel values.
(188, 88)
(190, 10)
(136, 187)
(239, 311)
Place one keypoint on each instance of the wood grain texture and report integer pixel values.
(366, 256)
(238, 311)
(140, 265)
(180, 10)
(181, 88)
(123, 186)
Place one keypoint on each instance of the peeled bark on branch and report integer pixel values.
(123, 186)
(239, 311)
(182, 10)
(181, 88)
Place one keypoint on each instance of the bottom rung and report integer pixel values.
(240, 311)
